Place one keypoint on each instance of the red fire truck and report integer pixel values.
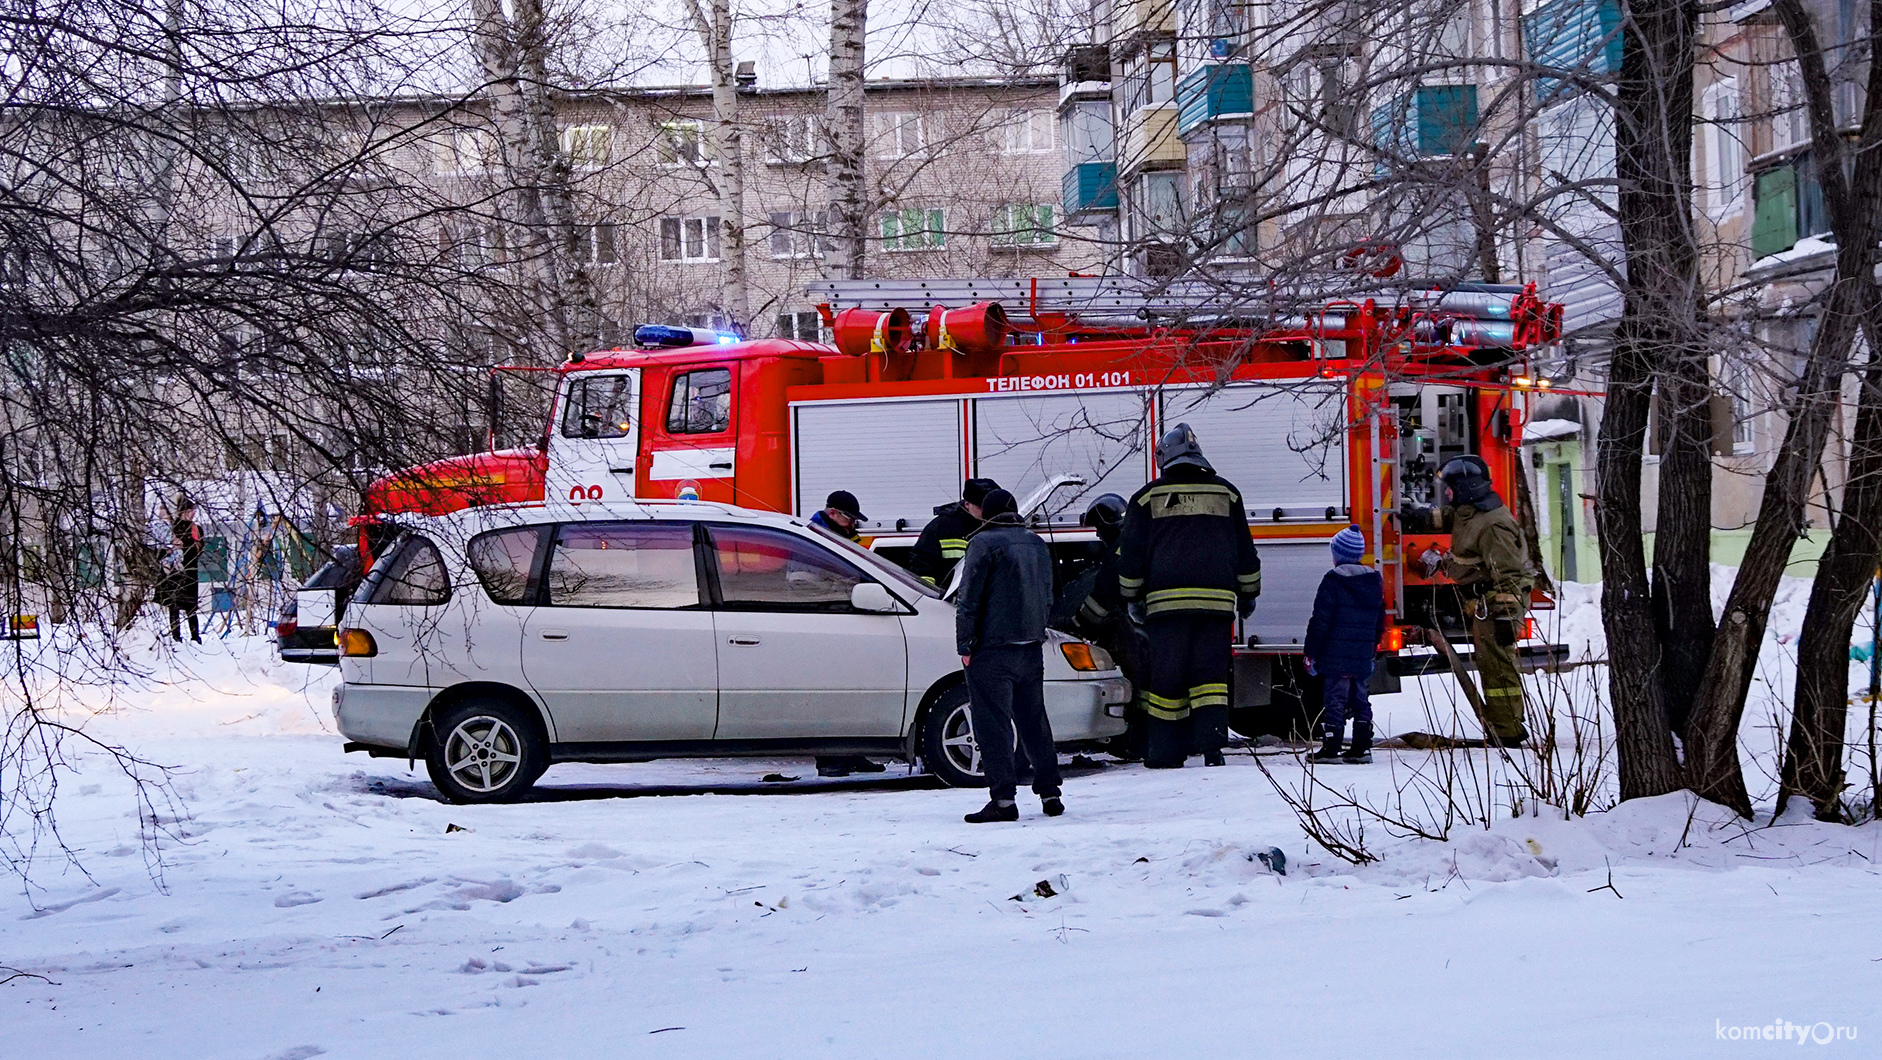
(1058, 388)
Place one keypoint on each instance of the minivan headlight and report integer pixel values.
(1085, 657)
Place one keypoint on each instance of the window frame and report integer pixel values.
(673, 393)
(372, 585)
(1004, 234)
(933, 233)
(587, 135)
(532, 578)
(709, 557)
(710, 237)
(545, 560)
(670, 136)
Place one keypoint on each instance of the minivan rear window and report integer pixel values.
(503, 561)
(413, 574)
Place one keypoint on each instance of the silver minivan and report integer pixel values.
(497, 641)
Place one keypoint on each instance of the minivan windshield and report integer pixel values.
(878, 564)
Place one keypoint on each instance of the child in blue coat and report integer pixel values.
(1342, 641)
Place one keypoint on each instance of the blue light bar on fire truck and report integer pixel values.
(668, 335)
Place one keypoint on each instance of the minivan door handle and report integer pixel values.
(555, 634)
(741, 640)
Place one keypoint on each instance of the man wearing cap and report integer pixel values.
(999, 627)
(944, 540)
(1489, 561)
(840, 515)
(1187, 565)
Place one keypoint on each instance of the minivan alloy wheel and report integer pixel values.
(957, 740)
(483, 753)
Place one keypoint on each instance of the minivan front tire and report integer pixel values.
(948, 746)
(485, 750)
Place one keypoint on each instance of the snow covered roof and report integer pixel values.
(1549, 430)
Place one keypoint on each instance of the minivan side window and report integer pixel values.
(761, 569)
(702, 402)
(503, 561)
(599, 406)
(628, 564)
(414, 574)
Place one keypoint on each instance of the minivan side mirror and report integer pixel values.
(871, 596)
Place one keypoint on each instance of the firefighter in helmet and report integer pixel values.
(1490, 564)
(944, 540)
(1095, 611)
(1188, 565)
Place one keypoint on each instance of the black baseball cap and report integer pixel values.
(844, 501)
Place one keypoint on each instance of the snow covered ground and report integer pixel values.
(313, 903)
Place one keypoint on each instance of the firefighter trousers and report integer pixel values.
(1502, 683)
(1185, 688)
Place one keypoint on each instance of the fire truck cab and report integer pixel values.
(1058, 388)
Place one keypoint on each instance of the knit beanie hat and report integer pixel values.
(1000, 503)
(975, 490)
(1348, 545)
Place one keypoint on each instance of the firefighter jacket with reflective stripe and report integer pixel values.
(1488, 554)
(942, 544)
(1186, 546)
(1102, 604)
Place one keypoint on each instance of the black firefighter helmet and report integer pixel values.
(1468, 479)
(1106, 515)
(1179, 446)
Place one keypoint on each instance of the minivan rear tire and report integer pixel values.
(483, 751)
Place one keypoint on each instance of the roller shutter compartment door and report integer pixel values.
(1022, 442)
(900, 458)
(1290, 576)
(1282, 446)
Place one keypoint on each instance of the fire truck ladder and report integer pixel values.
(1485, 311)
(1047, 303)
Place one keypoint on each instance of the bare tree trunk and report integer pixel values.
(1850, 191)
(514, 55)
(727, 139)
(1813, 756)
(1813, 759)
(1682, 541)
(843, 125)
(1652, 147)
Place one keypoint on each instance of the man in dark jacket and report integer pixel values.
(1342, 642)
(999, 625)
(944, 540)
(1188, 563)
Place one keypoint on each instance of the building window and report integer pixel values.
(1019, 225)
(804, 327)
(1738, 383)
(898, 135)
(915, 228)
(689, 239)
(1026, 131)
(1787, 205)
(1150, 75)
(588, 146)
(681, 143)
(799, 235)
(1723, 173)
(471, 248)
(793, 140)
(463, 151)
(701, 402)
(593, 244)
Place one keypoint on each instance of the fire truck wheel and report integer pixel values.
(485, 750)
(948, 747)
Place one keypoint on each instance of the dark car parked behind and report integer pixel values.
(305, 628)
